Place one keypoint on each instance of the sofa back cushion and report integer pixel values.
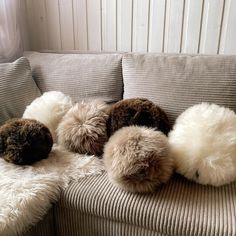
(81, 76)
(17, 89)
(176, 82)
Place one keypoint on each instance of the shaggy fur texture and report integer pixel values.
(24, 141)
(83, 128)
(49, 109)
(137, 111)
(203, 144)
(28, 192)
(137, 159)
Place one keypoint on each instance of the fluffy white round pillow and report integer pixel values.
(203, 144)
(137, 159)
(49, 109)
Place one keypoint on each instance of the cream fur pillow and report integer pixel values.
(49, 109)
(203, 144)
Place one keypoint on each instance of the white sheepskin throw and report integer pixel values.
(27, 192)
(203, 144)
(49, 109)
(83, 129)
(137, 159)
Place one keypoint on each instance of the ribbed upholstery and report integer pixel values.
(176, 82)
(79, 75)
(90, 225)
(43, 228)
(17, 88)
(95, 207)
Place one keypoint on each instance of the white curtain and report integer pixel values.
(10, 38)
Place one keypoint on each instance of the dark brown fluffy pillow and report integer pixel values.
(137, 111)
(24, 141)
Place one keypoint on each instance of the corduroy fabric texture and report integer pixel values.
(17, 88)
(43, 228)
(90, 225)
(81, 76)
(176, 82)
(95, 207)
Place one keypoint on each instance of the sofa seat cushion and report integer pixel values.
(176, 82)
(94, 206)
(79, 75)
(44, 227)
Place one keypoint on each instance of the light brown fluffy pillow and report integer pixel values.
(137, 159)
(83, 128)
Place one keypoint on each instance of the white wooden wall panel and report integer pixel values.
(124, 25)
(94, 24)
(228, 35)
(66, 24)
(192, 26)
(140, 25)
(224, 27)
(80, 25)
(173, 26)
(36, 22)
(24, 26)
(212, 19)
(109, 9)
(41, 24)
(157, 26)
(53, 22)
(30, 20)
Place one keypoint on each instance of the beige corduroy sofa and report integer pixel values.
(93, 206)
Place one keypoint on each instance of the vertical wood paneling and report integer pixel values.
(94, 25)
(38, 24)
(24, 29)
(41, 23)
(140, 25)
(157, 23)
(228, 34)
(224, 26)
(192, 26)
(174, 24)
(54, 34)
(109, 25)
(124, 25)
(66, 24)
(33, 42)
(211, 23)
(189, 26)
(80, 24)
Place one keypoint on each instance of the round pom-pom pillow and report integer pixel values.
(83, 128)
(203, 144)
(24, 141)
(49, 109)
(137, 111)
(137, 159)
